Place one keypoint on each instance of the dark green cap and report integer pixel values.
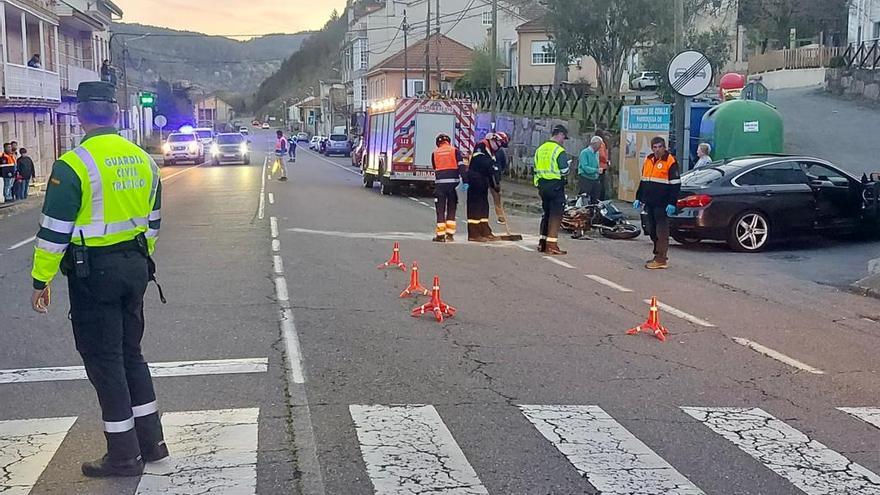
(96, 91)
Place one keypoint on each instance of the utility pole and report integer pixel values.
(405, 28)
(437, 55)
(494, 47)
(679, 109)
(428, 50)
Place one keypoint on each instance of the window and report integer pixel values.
(543, 53)
(362, 53)
(416, 87)
(876, 30)
(777, 174)
(819, 171)
(487, 18)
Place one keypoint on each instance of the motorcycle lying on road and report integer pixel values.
(580, 217)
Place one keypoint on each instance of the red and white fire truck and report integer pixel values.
(400, 136)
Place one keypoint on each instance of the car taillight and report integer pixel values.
(694, 201)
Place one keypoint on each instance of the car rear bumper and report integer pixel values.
(698, 223)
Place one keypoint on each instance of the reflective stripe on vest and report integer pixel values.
(657, 171)
(119, 182)
(546, 161)
(444, 158)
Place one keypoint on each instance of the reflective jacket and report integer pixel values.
(661, 181)
(448, 164)
(547, 162)
(105, 191)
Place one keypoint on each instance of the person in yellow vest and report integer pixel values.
(448, 166)
(100, 222)
(658, 193)
(551, 169)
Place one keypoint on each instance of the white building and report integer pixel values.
(864, 21)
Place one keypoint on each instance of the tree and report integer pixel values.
(772, 20)
(479, 76)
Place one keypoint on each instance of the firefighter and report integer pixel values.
(658, 193)
(500, 169)
(448, 168)
(480, 178)
(551, 168)
(100, 222)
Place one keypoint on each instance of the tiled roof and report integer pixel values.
(534, 26)
(453, 55)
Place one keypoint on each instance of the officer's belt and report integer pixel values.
(132, 245)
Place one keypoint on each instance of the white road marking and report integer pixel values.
(807, 464)
(870, 415)
(611, 458)
(271, 199)
(782, 358)
(681, 314)
(273, 226)
(261, 211)
(395, 236)
(408, 449)
(293, 351)
(608, 283)
(524, 247)
(426, 205)
(276, 245)
(23, 243)
(166, 180)
(348, 169)
(559, 262)
(157, 370)
(417, 200)
(281, 289)
(278, 265)
(26, 448)
(213, 451)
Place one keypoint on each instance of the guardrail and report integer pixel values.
(799, 58)
(864, 55)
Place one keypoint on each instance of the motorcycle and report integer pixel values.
(580, 217)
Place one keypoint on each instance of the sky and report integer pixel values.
(231, 16)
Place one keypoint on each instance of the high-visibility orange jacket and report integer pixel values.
(448, 164)
(661, 181)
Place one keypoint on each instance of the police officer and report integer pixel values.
(551, 168)
(658, 193)
(448, 167)
(480, 178)
(100, 223)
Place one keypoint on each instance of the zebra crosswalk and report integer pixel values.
(408, 448)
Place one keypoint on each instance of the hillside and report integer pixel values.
(216, 63)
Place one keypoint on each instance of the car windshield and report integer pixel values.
(229, 138)
(205, 134)
(181, 138)
(338, 137)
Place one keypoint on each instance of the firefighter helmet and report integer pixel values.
(505, 139)
(443, 138)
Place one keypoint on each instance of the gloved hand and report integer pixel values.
(670, 210)
(637, 205)
(464, 186)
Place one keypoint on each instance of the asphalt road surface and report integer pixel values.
(766, 384)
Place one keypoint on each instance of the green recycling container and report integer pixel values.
(742, 127)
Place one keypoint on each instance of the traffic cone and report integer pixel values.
(436, 306)
(395, 259)
(414, 285)
(653, 323)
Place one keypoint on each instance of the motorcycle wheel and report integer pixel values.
(621, 231)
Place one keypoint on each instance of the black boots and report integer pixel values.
(542, 245)
(106, 467)
(553, 249)
(150, 437)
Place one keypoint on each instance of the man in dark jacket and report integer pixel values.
(7, 171)
(500, 170)
(658, 192)
(25, 170)
(480, 178)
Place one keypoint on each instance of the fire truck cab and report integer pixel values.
(400, 137)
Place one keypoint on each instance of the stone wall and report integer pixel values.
(862, 84)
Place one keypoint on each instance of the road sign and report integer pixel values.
(689, 73)
(160, 121)
(147, 99)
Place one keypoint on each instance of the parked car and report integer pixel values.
(315, 143)
(645, 80)
(752, 201)
(265, 125)
(255, 123)
(337, 144)
(230, 147)
(357, 152)
(244, 131)
(205, 135)
(182, 147)
(302, 137)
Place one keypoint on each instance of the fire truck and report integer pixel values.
(400, 137)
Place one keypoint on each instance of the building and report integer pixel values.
(386, 79)
(211, 110)
(864, 21)
(304, 114)
(534, 60)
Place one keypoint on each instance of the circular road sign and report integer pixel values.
(160, 121)
(689, 73)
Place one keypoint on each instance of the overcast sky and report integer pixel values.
(231, 16)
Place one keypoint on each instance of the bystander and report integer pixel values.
(25, 172)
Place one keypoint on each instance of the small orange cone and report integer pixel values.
(414, 285)
(653, 323)
(436, 306)
(395, 259)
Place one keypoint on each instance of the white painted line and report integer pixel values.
(293, 351)
(26, 448)
(426, 205)
(408, 449)
(807, 464)
(348, 169)
(261, 211)
(782, 358)
(611, 458)
(23, 243)
(157, 370)
(213, 451)
(551, 259)
(681, 314)
(166, 180)
(273, 226)
(276, 245)
(417, 200)
(525, 248)
(281, 289)
(271, 198)
(608, 283)
(870, 415)
(278, 265)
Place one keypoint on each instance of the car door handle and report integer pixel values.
(766, 192)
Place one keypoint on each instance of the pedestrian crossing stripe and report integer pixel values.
(26, 448)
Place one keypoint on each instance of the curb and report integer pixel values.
(868, 286)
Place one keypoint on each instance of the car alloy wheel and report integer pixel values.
(750, 232)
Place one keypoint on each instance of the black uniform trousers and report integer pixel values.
(107, 312)
(552, 194)
(658, 228)
(478, 209)
(446, 204)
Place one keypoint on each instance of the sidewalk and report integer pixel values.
(35, 198)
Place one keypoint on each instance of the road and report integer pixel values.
(766, 384)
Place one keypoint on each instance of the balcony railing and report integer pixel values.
(72, 75)
(26, 82)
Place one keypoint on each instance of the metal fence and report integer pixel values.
(591, 110)
(864, 55)
(799, 58)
